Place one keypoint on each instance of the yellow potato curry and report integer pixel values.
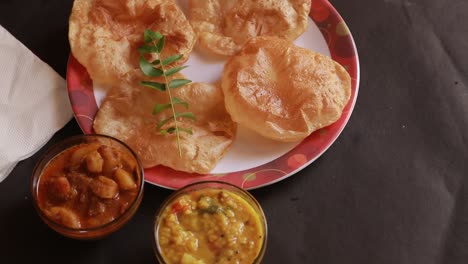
(210, 226)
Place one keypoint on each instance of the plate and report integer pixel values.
(253, 161)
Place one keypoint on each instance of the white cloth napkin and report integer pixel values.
(33, 103)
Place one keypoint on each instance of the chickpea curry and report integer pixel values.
(210, 226)
(88, 185)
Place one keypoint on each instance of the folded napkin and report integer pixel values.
(33, 103)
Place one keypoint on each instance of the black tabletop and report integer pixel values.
(392, 188)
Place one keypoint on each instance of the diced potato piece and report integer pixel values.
(64, 216)
(104, 187)
(80, 153)
(189, 259)
(124, 180)
(94, 162)
(59, 187)
(111, 159)
(128, 161)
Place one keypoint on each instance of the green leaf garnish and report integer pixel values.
(151, 36)
(170, 130)
(160, 44)
(154, 43)
(164, 121)
(176, 100)
(174, 70)
(172, 59)
(188, 115)
(154, 85)
(158, 108)
(148, 68)
(147, 49)
(176, 83)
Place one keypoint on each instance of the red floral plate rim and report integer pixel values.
(342, 49)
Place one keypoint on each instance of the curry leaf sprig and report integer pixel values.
(154, 44)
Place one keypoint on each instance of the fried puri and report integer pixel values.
(282, 91)
(126, 114)
(223, 26)
(104, 34)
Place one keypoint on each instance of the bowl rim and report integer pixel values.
(252, 201)
(36, 175)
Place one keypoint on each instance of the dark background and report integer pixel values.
(392, 188)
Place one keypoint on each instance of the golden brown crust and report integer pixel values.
(223, 26)
(105, 34)
(282, 91)
(126, 114)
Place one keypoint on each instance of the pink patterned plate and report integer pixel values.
(252, 162)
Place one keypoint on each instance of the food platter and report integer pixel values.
(252, 162)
